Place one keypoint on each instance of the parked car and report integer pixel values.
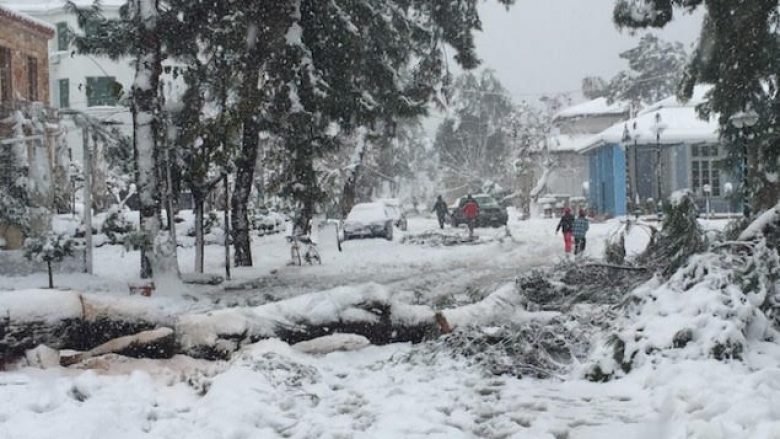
(396, 209)
(369, 220)
(491, 214)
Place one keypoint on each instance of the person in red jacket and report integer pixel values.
(470, 213)
(566, 225)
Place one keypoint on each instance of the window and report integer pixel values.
(704, 169)
(32, 79)
(64, 85)
(63, 36)
(92, 28)
(5, 74)
(102, 90)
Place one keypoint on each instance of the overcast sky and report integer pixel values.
(541, 46)
(549, 45)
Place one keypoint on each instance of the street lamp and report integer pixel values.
(658, 127)
(707, 189)
(728, 190)
(632, 200)
(745, 119)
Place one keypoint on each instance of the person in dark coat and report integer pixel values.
(440, 207)
(566, 225)
(470, 213)
(581, 226)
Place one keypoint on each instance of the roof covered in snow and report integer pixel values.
(40, 6)
(567, 142)
(595, 107)
(30, 22)
(698, 97)
(676, 121)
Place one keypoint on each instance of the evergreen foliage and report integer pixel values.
(680, 236)
(49, 247)
(655, 68)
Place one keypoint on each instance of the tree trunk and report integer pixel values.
(88, 162)
(51, 277)
(199, 241)
(226, 211)
(242, 188)
(145, 110)
(349, 194)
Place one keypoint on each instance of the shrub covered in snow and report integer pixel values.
(48, 248)
(116, 226)
(680, 236)
(268, 222)
(714, 306)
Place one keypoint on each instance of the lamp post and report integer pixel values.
(745, 119)
(658, 128)
(728, 190)
(707, 189)
(632, 200)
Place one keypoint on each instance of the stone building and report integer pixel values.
(29, 130)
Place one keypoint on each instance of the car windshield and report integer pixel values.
(368, 212)
(486, 202)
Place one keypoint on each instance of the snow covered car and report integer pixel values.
(369, 220)
(491, 214)
(396, 209)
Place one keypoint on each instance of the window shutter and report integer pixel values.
(63, 36)
(64, 93)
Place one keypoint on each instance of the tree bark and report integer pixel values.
(199, 241)
(242, 188)
(145, 110)
(84, 323)
(51, 277)
(349, 193)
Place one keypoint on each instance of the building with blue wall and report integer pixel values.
(607, 186)
(666, 148)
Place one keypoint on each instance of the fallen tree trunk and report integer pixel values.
(69, 320)
(367, 310)
(157, 343)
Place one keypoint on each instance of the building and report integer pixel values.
(667, 147)
(91, 84)
(24, 60)
(29, 130)
(572, 127)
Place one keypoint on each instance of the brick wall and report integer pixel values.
(24, 42)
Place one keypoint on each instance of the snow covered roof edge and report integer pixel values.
(48, 6)
(680, 124)
(594, 107)
(31, 22)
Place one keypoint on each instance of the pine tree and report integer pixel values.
(739, 54)
(655, 70)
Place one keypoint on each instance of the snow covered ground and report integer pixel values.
(270, 389)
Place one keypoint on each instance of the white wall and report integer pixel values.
(76, 68)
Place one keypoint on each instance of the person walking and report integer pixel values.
(440, 207)
(566, 225)
(581, 225)
(470, 213)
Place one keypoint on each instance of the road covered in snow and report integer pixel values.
(342, 387)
